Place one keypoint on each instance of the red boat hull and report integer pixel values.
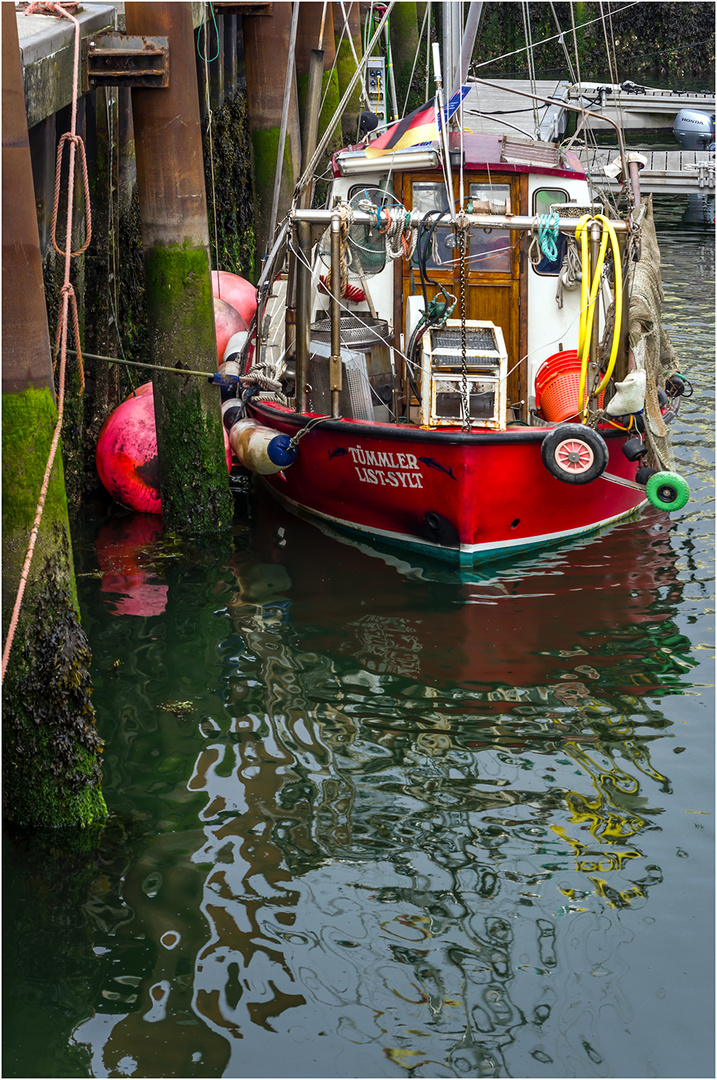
(461, 497)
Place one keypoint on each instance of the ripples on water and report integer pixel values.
(376, 819)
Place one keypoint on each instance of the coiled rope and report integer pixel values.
(401, 237)
(548, 235)
(67, 297)
(571, 271)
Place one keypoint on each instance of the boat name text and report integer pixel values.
(396, 470)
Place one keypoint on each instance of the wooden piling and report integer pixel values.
(346, 65)
(100, 334)
(175, 240)
(316, 31)
(266, 45)
(404, 42)
(51, 771)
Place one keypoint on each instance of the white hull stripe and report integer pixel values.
(464, 551)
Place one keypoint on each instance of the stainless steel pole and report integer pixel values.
(335, 309)
(303, 315)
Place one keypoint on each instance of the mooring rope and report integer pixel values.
(67, 297)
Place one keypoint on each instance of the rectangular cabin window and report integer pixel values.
(379, 196)
(490, 248)
(543, 199)
(430, 198)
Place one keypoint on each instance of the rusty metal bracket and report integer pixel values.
(242, 7)
(125, 60)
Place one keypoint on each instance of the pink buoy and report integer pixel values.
(145, 388)
(227, 322)
(126, 454)
(237, 291)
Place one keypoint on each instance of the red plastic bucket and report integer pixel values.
(557, 387)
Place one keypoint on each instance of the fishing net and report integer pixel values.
(649, 343)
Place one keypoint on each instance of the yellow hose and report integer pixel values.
(588, 296)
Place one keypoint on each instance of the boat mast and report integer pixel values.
(469, 37)
(451, 40)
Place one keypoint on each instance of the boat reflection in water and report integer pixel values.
(412, 821)
(429, 827)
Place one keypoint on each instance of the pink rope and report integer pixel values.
(67, 294)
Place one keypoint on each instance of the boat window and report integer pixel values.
(543, 199)
(377, 195)
(438, 243)
(490, 249)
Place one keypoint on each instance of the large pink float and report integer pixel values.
(126, 454)
(237, 291)
(227, 323)
(127, 445)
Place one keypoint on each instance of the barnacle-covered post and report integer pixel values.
(175, 239)
(266, 55)
(51, 750)
(349, 49)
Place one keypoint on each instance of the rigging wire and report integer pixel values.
(210, 133)
(415, 59)
(582, 121)
(321, 146)
(561, 41)
(575, 46)
(429, 16)
(525, 9)
(612, 39)
(289, 79)
(547, 40)
(347, 30)
(391, 75)
(612, 70)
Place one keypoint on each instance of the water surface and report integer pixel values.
(373, 818)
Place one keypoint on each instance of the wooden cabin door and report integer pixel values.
(492, 269)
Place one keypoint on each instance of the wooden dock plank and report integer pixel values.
(673, 171)
(496, 110)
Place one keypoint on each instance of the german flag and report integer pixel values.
(420, 126)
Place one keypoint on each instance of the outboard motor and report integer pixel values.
(694, 130)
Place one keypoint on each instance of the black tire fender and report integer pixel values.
(574, 454)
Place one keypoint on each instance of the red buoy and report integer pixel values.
(237, 291)
(126, 454)
(227, 323)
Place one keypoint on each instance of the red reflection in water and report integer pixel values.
(560, 615)
(122, 556)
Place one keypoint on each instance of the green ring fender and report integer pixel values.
(667, 491)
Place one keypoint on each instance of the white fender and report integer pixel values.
(260, 449)
(235, 344)
(630, 394)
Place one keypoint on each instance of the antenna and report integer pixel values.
(437, 63)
